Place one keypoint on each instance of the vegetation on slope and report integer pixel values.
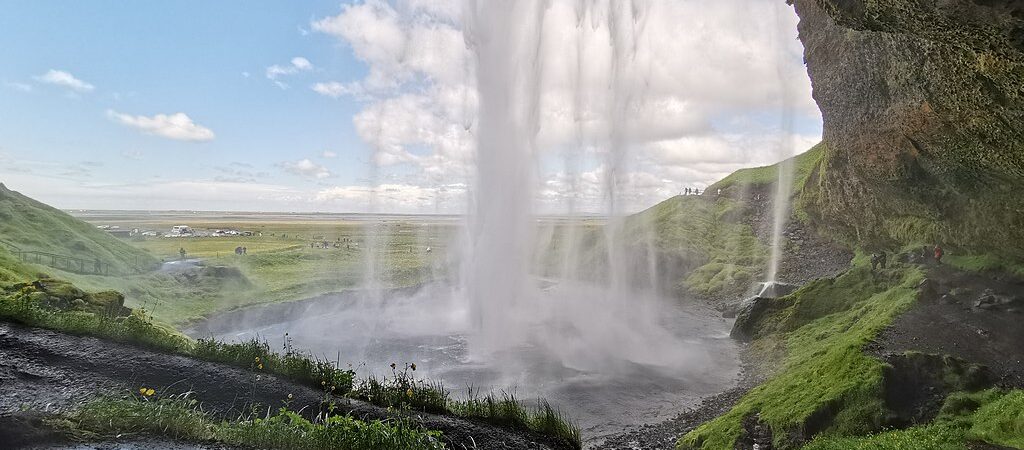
(803, 165)
(992, 416)
(29, 304)
(180, 417)
(720, 255)
(33, 226)
(707, 238)
(822, 329)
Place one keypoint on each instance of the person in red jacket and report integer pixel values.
(938, 254)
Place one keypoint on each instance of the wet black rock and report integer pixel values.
(776, 289)
(990, 300)
(749, 317)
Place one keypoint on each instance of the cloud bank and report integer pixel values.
(703, 94)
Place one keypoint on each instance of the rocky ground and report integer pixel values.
(973, 317)
(663, 435)
(44, 372)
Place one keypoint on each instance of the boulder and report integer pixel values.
(751, 312)
(107, 303)
(990, 300)
(731, 310)
(776, 289)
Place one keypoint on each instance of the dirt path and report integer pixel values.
(46, 371)
(946, 320)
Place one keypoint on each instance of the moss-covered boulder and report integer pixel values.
(108, 303)
(64, 296)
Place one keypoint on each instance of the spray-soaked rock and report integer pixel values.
(749, 317)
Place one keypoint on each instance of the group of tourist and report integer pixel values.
(927, 255)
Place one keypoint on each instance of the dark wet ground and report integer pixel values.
(953, 325)
(43, 371)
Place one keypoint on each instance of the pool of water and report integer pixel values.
(609, 369)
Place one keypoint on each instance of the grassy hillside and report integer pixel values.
(723, 255)
(712, 233)
(803, 165)
(33, 226)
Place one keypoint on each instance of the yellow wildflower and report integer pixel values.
(409, 392)
(260, 366)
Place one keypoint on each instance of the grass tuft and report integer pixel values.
(181, 417)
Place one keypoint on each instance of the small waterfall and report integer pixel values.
(784, 184)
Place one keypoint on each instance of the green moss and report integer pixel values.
(1001, 422)
(991, 416)
(825, 371)
(985, 263)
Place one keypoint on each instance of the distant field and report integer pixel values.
(284, 260)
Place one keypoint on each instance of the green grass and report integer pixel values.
(990, 416)
(403, 391)
(727, 256)
(23, 307)
(276, 269)
(803, 165)
(31, 225)
(182, 418)
(1001, 422)
(12, 270)
(985, 263)
(822, 333)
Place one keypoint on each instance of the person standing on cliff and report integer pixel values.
(938, 254)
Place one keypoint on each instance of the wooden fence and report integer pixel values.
(63, 262)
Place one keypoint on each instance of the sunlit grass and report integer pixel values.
(401, 391)
(823, 333)
(181, 417)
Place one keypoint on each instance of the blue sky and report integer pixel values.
(209, 105)
(147, 58)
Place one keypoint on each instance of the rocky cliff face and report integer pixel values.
(922, 107)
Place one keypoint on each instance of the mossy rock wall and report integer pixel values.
(921, 102)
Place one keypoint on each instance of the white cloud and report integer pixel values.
(296, 65)
(65, 79)
(178, 126)
(328, 154)
(132, 154)
(301, 63)
(335, 89)
(691, 90)
(23, 87)
(305, 168)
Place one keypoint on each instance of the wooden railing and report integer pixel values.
(63, 262)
